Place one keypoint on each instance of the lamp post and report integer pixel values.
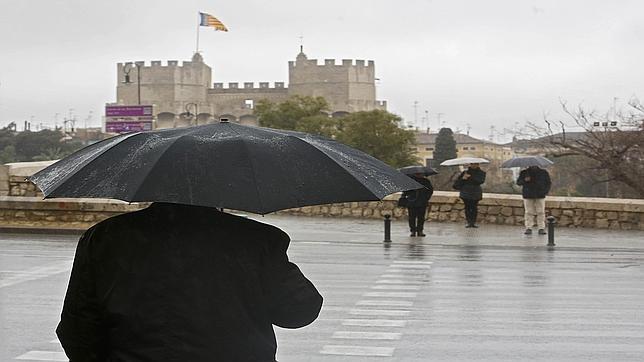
(126, 69)
(196, 107)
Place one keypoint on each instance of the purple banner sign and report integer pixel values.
(128, 111)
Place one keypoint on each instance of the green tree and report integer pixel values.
(31, 144)
(55, 153)
(292, 113)
(445, 147)
(8, 154)
(378, 133)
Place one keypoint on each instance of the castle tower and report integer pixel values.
(348, 87)
(170, 88)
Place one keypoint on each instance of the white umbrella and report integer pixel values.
(527, 161)
(463, 161)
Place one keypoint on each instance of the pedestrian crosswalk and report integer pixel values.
(380, 316)
(57, 355)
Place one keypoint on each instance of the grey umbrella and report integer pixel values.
(224, 165)
(526, 161)
(412, 170)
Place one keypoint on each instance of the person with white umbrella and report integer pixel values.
(469, 185)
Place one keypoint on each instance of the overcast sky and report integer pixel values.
(483, 63)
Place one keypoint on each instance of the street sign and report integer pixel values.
(124, 119)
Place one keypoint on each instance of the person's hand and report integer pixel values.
(527, 179)
(466, 176)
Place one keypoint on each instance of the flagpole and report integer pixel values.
(198, 26)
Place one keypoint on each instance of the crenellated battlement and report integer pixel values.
(158, 64)
(346, 63)
(247, 86)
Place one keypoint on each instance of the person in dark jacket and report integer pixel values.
(469, 184)
(417, 201)
(182, 283)
(536, 185)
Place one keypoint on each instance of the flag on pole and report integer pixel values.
(211, 21)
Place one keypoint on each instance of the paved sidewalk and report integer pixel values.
(487, 294)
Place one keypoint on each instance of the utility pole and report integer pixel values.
(415, 113)
(426, 125)
(440, 123)
(492, 133)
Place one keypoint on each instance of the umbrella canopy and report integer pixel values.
(223, 165)
(526, 161)
(412, 170)
(463, 161)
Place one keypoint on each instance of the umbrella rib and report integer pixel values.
(161, 154)
(71, 174)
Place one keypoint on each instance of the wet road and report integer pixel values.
(489, 294)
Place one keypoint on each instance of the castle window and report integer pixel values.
(249, 104)
(472, 148)
(413, 149)
(429, 148)
(465, 148)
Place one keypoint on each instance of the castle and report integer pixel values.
(179, 92)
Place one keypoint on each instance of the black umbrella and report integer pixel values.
(526, 161)
(412, 170)
(224, 165)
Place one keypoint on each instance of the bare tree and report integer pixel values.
(615, 142)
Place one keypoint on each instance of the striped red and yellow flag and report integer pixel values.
(211, 21)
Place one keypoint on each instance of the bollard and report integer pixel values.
(387, 229)
(551, 230)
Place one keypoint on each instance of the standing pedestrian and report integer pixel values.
(536, 185)
(469, 184)
(416, 203)
(182, 283)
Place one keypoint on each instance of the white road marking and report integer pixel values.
(411, 266)
(374, 322)
(37, 273)
(410, 272)
(396, 287)
(405, 276)
(388, 303)
(44, 356)
(380, 312)
(391, 294)
(399, 281)
(367, 335)
(358, 351)
(412, 262)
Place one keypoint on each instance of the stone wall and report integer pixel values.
(444, 207)
(623, 214)
(34, 212)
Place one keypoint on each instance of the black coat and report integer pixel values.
(539, 184)
(470, 189)
(419, 197)
(182, 283)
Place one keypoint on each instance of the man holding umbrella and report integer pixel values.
(180, 280)
(536, 185)
(468, 183)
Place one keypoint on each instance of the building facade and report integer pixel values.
(466, 146)
(184, 95)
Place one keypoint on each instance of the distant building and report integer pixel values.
(466, 146)
(178, 92)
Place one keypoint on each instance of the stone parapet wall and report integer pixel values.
(59, 213)
(622, 214)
